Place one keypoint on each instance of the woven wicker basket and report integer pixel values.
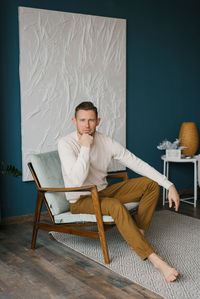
(189, 137)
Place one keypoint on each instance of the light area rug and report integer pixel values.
(175, 237)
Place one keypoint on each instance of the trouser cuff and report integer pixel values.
(147, 254)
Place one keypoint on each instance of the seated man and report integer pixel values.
(85, 156)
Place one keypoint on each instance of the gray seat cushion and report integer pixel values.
(72, 218)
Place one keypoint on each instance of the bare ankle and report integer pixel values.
(154, 259)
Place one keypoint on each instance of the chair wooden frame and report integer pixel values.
(73, 228)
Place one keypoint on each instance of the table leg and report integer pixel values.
(195, 184)
(167, 175)
(164, 172)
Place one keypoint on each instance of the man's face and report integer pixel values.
(86, 122)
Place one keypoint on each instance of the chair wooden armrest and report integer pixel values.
(123, 175)
(70, 189)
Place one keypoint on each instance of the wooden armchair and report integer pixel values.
(46, 171)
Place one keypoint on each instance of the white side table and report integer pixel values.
(166, 162)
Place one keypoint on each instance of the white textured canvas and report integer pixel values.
(67, 58)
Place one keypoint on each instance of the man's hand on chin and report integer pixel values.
(86, 140)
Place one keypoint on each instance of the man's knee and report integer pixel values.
(113, 206)
(153, 186)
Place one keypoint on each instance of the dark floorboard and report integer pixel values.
(55, 271)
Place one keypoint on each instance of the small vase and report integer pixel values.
(189, 137)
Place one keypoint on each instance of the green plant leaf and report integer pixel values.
(9, 170)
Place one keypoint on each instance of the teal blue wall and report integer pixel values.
(163, 81)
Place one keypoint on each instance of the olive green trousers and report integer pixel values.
(112, 201)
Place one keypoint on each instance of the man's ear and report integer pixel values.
(98, 121)
(74, 121)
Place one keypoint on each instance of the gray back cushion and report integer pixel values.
(47, 167)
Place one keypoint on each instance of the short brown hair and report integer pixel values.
(86, 106)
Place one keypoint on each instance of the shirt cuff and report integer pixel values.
(167, 184)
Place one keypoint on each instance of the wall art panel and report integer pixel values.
(67, 58)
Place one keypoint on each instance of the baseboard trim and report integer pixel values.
(22, 218)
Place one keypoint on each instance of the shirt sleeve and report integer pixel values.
(75, 166)
(137, 165)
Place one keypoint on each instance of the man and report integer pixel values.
(85, 156)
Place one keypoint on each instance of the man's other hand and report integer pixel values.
(173, 196)
(86, 140)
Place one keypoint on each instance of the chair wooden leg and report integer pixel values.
(100, 225)
(36, 219)
(103, 242)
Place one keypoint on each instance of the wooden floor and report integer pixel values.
(55, 271)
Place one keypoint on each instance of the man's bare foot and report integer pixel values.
(168, 272)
